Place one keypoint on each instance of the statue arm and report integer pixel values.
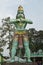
(27, 21)
(13, 21)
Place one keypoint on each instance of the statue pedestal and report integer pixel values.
(17, 63)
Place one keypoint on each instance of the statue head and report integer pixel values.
(20, 8)
(20, 13)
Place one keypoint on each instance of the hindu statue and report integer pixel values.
(20, 38)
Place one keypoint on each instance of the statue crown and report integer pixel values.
(20, 8)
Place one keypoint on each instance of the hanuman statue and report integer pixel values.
(20, 37)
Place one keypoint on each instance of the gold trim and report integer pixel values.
(25, 39)
(20, 32)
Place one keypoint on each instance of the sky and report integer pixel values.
(33, 10)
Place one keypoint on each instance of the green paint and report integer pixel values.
(1, 59)
(20, 23)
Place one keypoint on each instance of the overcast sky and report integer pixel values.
(33, 10)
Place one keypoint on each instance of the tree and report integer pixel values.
(6, 33)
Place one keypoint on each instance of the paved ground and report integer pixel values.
(16, 63)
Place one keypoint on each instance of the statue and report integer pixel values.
(20, 35)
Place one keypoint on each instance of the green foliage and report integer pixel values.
(36, 40)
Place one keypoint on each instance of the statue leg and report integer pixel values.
(14, 47)
(27, 50)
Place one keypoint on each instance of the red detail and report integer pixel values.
(20, 41)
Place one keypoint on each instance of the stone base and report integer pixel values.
(17, 63)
